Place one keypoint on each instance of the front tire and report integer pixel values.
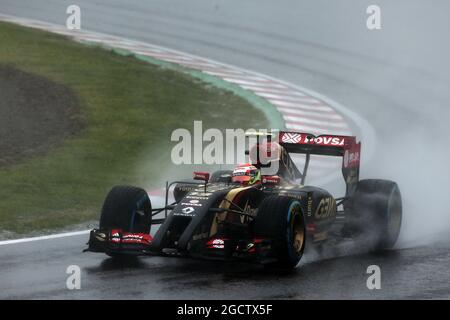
(127, 208)
(281, 219)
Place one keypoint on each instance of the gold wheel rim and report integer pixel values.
(299, 232)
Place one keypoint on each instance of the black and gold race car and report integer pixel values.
(267, 219)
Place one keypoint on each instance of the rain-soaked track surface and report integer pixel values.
(36, 270)
(397, 77)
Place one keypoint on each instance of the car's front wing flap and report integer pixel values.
(116, 242)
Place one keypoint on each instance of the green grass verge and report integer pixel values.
(129, 108)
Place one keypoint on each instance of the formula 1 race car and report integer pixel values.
(244, 214)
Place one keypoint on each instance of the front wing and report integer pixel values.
(116, 242)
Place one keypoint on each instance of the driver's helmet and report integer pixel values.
(246, 174)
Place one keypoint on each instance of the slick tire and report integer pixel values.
(376, 213)
(127, 208)
(281, 219)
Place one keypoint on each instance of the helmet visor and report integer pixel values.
(241, 179)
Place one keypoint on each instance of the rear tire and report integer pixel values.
(376, 212)
(281, 219)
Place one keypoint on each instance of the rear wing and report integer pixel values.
(326, 145)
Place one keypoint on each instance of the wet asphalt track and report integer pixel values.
(37, 271)
(396, 77)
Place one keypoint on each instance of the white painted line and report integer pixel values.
(262, 85)
(141, 50)
(93, 40)
(194, 65)
(254, 80)
(165, 56)
(149, 49)
(138, 45)
(285, 97)
(223, 73)
(283, 92)
(52, 236)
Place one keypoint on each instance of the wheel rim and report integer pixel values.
(299, 238)
(298, 230)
